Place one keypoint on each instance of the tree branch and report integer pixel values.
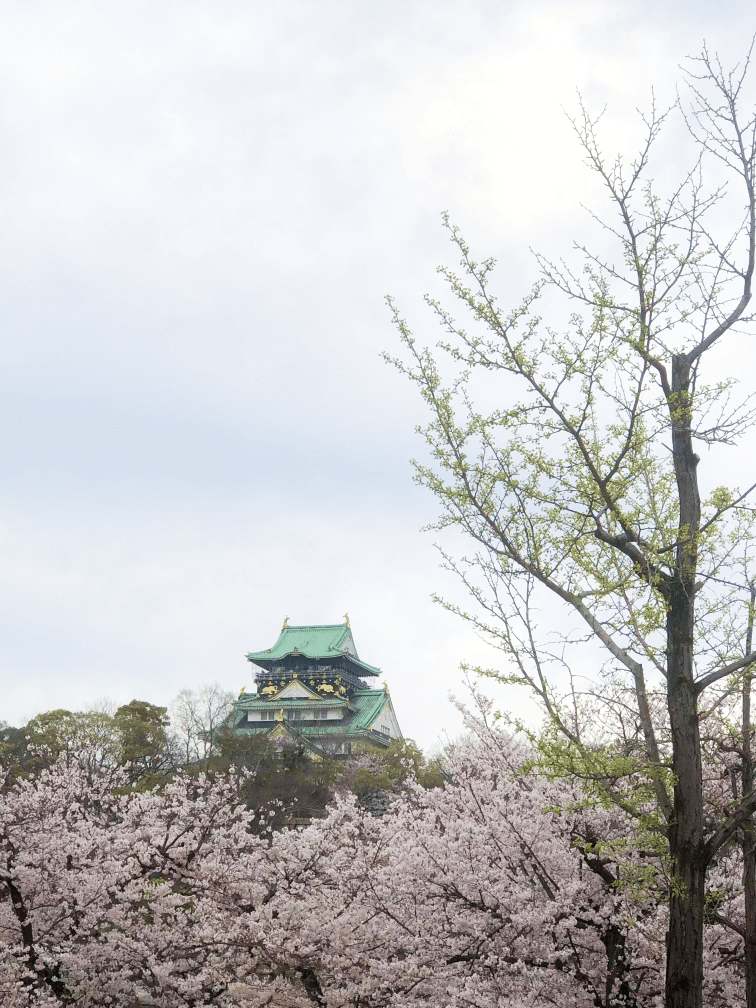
(717, 674)
(730, 826)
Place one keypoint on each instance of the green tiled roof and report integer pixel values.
(368, 704)
(314, 642)
(365, 707)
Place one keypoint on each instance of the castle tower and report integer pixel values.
(310, 686)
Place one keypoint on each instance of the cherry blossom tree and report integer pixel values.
(504, 887)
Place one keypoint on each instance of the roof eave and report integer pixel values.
(257, 658)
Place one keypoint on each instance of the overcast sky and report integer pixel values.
(202, 205)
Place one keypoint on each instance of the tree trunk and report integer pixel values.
(749, 828)
(688, 892)
(684, 976)
(749, 882)
(617, 989)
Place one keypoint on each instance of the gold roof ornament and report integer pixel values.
(280, 715)
(242, 691)
(285, 622)
(346, 618)
(385, 686)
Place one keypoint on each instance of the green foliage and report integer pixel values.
(14, 752)
(135, 736)
(715, 900)
(141, 727)
(62, 731)
(387, 769)
(609, 774)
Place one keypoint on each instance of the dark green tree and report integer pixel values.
(144, 743)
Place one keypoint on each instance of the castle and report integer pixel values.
(311, 691)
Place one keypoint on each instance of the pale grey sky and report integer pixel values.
(202, 205)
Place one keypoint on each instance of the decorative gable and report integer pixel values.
(296, 690)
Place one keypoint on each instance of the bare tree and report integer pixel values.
(584, 483)
(197, 717)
